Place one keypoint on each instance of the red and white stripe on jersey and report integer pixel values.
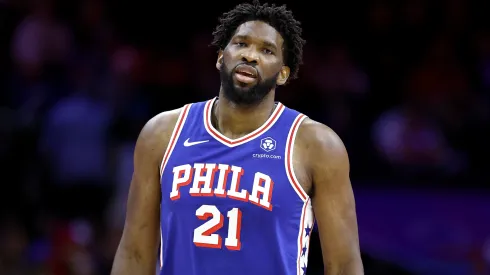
(175, 136)
(288, 160)
(235, 142)
(307, 219)
(170, 147)
(304, 235)
(161, 248)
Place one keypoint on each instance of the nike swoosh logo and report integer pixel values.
(187, 143)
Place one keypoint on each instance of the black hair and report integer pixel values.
(277, 16)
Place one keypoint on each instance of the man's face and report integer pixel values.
(252, 63)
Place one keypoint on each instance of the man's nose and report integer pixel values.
(250, 56)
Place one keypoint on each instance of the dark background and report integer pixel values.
(406, 85)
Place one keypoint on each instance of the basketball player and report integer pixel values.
(234, 185)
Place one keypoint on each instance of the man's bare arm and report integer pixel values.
(333, 200)
(137, 251)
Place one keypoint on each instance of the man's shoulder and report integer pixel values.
(164, 122)
(318, 141)
(156, 133)
(314, 132)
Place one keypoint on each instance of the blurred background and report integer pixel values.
(406, 85)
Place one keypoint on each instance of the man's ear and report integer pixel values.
(220, 60)
(283, 75)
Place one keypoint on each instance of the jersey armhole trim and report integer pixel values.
(161, 247)
(179, 125)
(288, 162)
(307, 221)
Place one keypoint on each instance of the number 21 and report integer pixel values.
(204, 235)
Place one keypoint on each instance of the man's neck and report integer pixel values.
(235, 121)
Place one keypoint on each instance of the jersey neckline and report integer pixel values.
(248, 137)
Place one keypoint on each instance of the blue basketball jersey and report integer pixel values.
(233, 206)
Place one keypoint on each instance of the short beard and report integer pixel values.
(245, 96)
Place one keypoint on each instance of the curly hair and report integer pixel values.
(277, 16)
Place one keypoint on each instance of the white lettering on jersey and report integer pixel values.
(203, 183)
(262, 185)
(182, 176)
(235, 184)
(224, 170)
(206, 180)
